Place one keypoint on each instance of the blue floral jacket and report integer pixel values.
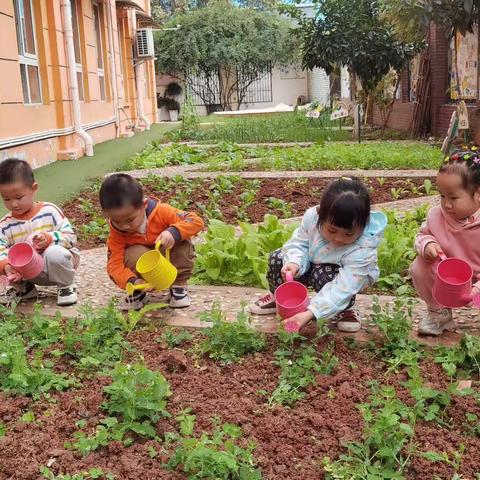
(358, 262)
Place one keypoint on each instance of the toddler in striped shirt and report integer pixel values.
(43, 225)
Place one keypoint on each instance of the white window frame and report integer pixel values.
(78, 66)
(27, 59)
(100, 51)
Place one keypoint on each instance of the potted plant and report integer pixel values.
(173, 90)
(173, 108)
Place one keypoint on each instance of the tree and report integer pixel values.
(413, 17)
(353, 33)
(221, 49)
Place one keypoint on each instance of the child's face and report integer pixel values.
(128, 218)
(455, 200)
(340, 237)
(18, 197)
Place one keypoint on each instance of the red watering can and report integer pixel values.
(291, 298)
(26, 260)
(453, 283)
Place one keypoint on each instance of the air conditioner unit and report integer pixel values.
(144, 43)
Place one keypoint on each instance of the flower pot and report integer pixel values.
(173, 115)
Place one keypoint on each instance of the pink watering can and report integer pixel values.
(26, 260)
(453, 283)
(291, 298)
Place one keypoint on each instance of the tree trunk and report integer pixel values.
(368, 107)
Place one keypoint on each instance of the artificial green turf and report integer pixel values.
(62, 180)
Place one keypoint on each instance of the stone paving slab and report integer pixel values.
(193, 171)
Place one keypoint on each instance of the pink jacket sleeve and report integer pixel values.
(424, 237)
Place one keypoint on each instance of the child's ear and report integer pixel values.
(145, 202)
(476, 196)
(35, 187)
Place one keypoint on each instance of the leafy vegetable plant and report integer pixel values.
(229, 341)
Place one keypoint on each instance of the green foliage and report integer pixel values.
(463, 357)
(190, 120)
(95, 338)
(217, 456)
(337, 156)
(174, 339)
(92, 474)
(352, 33)
(299, 368)
(281, 127)
(97, 227)
(3, 430)
(385, 447)
(225, 258)
(222, 37)
(138, 396)
(396, 251)
(227, 341)
(22, 375)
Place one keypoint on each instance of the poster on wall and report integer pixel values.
(291, 72)
(464, 66)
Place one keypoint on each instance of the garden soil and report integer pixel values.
(291, 443)
(300, 194)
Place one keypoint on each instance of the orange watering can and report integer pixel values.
(156, 269)
(453, 283)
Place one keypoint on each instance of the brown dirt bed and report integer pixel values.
(291, 443)
(300, 194)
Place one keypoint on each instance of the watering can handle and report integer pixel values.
(442, 256)
(289, 277)
(167, 251)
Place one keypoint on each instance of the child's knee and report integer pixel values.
(58, 255)
(133, 253)
(182, 257)
(421, 270)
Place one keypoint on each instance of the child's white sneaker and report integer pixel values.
(436, 322)
(265, 305)
(67, 296)
(348, 321)
(179, 297)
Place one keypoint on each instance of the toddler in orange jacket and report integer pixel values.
(137, 223)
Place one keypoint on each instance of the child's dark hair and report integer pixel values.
(465, 164)
(15, 170)
(345, 203)
(120, 190)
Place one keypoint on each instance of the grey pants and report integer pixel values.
(317, 276)
(59, 267)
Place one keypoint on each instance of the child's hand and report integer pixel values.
(292, 268)
(40, 242)
(431, 251)
(141, 281)
(166, 239)
(301, 319)
(12, 274)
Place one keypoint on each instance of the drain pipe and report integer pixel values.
(113, 69)
(137, 66)
(72, 74)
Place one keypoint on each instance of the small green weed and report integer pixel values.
(92, 474)
(174, 339)
(227, 341)
(216, 456)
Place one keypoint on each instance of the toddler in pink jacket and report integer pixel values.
(454, 229)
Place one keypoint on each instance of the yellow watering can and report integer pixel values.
(156, 269)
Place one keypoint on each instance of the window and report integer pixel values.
(98, 37)
(78, 51)
(27, 51)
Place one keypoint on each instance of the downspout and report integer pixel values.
(72, 75)
(141, 113)
(113, 69)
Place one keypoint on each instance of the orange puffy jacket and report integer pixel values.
(160, 217)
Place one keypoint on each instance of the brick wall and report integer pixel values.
(441, 110)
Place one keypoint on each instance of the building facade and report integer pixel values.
(71, 77)
(453, 75)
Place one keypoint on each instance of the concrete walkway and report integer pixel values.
(195, 171)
